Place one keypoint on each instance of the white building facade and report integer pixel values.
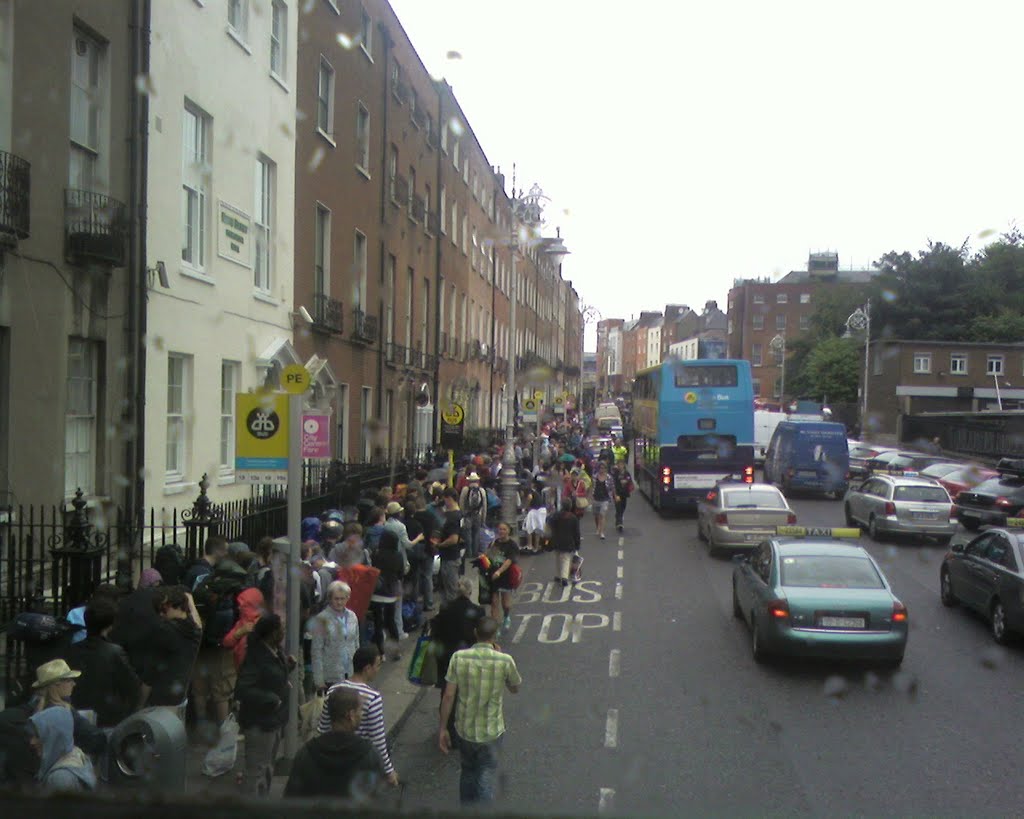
(685, 350)
(221, 187)
(614, 351)
(653, 347)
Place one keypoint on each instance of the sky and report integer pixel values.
(685, 144)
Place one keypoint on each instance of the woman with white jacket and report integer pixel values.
(335, 636)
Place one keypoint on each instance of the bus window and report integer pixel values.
(705, 375)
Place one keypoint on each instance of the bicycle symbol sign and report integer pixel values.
(263, 423)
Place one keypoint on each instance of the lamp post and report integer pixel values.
(860, 320)
(779, 345)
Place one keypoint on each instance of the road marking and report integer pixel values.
(617, 621)
(611, 729)
(619, 572)
(606, 800)
(622, 541)
(618, 591)
(621, 553)
(614, 663)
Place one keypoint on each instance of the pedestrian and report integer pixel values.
(214, 550)
(450, 546)
(536, 516)
(262, 694)
(603, 496)
(137, 619)
(19, 749)
(251, 607)
(338, 763)
(473, 503)
(395, 523)
(505, 574)
(619, 451)
(482, 673)
(174, 643)
(63, 766)
(53, 689)
(264, 571)
(388, 559)
(76, 616)
(564, 532)
(109, 685)
(335, 634)
(374, 529)
(367, 663)
(623, 489)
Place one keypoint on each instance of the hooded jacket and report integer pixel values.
(63, 767)
(338, 764)
(262, 688)
(251, 606)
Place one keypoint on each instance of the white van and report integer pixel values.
(765, 422)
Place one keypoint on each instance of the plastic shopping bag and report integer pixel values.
(309, 717)
(221, 757)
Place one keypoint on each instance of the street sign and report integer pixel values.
(261, 438)
(538, 395)
(530, 410)
(559, 405)
(453, 418)
(316, 435)
(295, 379)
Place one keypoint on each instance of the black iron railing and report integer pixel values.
(15, 188)
(328, 315)
(365, 328)
(95, 228)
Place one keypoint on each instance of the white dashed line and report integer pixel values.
(618, 591)
(622, 541)
(614, 663)
(621, 553)
(617, 621)
(606, 800)
(611, 729)
(619, 572)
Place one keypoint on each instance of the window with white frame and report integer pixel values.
(994, 365)
(363, 137)
(410, 283)
(393, 172)
(322, 251)
(279, 39)
(89, 112)
(238, 18)
(389, 299)
(80, 415)
(758, 298)
(440, 307)
(366, 33)
(195, 172)
(429, 204)
(452, 315)
(756, 355)
(780, 321)
(756, 384)
(805, 322)
(922, 363)
(425, 317)
(455, 152)
(341, 437)
(444, 138)
(958, 363)
(441, 211)
(805, 298)
(359, 266)
(412, 192)
(263, 214)
(325, 98)
(365, 414)
(455, 223)
(179, 388)
(757, 322)
(465, 234)
(230, 375)
(465, 170)
(781, 298)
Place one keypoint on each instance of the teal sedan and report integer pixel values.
(811, 595)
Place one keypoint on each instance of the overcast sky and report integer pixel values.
(686, 144)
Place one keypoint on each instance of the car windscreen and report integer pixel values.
(921, 494)
(830, 572)
(754, 498)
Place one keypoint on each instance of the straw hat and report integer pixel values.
(474, 478)
(394, 508)
(52, 672)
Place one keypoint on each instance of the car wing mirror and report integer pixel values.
(956, 548)
(741, 558)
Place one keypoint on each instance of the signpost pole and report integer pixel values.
(293, 638)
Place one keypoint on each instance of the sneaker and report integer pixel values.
(506, 624)
(619, 527)
(564, 582)
(602, 535)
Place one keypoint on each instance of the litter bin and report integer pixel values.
(147, 750)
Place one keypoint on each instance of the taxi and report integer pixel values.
(806, 593)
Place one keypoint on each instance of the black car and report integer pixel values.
(991, 502)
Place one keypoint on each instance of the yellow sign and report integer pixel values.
(538, 395)
(453, 414)
(690, 398)
(529, 405)
(295, 379)
(261, 438)
(817, 531)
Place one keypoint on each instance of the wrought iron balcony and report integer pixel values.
(365, 328)
(95, 228)
(328, 314)
(15, 186)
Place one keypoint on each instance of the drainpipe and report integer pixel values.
(441, 86)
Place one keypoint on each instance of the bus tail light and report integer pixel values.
(721, 519)
(666, 476)
(748, 474)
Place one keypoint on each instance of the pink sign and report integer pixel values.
(316, 435)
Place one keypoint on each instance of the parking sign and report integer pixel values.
(261, 438)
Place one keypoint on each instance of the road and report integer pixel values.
(640, 697)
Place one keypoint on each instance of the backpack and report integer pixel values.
(475, 499)
(216, 599)
(169, 560)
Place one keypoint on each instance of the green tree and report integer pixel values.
(831, 370)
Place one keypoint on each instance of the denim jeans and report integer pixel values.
(471, 534)
(479, 770)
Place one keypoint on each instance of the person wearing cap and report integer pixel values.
(473, 503)
(394, 523)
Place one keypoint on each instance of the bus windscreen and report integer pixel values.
(703, 375)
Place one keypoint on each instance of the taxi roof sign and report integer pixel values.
(818, 531)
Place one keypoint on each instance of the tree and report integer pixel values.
(831, 370)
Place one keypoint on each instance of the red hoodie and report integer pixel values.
(250, 608)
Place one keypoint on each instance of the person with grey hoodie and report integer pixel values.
(63, 767)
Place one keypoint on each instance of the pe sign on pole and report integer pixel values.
(261, 438)
(316, 435)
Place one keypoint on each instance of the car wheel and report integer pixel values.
(1000, 633)
(849, 516)
(756, 649)
(737, 612)
(946, 589)
(873, 532)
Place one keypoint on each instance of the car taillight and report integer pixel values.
(748, 474)
(890, 508)
(791, 519)
(778, 609)
(666, 476)
(711, 496)
(721, 519)
(1004, 502)
(899, 612)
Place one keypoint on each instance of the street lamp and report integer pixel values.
(779, 345)
(860, 320)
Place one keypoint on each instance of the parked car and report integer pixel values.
(860, 454)
(993, 501)
(902, 461)
(965, 477)
(740, 515)
(938, 470)
(901, 505)
(985, 574)
(818, 597)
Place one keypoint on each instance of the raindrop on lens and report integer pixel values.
(835, 686)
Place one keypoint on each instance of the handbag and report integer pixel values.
(309, 717)
(515, 576)
(423, 664)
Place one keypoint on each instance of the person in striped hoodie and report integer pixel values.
(366, 662)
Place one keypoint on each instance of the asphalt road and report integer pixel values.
(640, 697)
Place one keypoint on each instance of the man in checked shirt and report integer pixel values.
(366, 662)
(477, 679)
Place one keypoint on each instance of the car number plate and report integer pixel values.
(925, 515)
(753, 537)
(807, 473)
(842, 622)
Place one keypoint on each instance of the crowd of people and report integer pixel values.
(203, 639)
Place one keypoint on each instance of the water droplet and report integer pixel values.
(872, 682)
(456, 127)
(992, 657)
(984, 234)
(316, 159)
(835, 686)
(344, 41)
(453, 55)
(888, 295)
(905, 683)
(144, 85)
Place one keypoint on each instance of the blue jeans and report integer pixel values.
(471, 534)
(479, 770)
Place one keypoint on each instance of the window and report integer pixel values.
(279, 39)
(777, 389)
(758, 322)
(392, 172)
(805, 298)
(365, 411)
(363, 138)
(262, 223)
(325, 98)
(341, 439)
(922, 363)
(758, 298)
(425, 323)
(755, 383)
(385, 416)
(88, 123)
(465, 234)
(322, 251)
(781, 298)
(389, 300)
(179, 376)
(455, 223)
(410, 283)
(442, 216)
(444, 137)
(238, 18)
(780, 321)
(195, 180)
(777, 356)
(958, 364)
(80, 428)
(230, 372)
(756, 355)
(366, 34)
(455, 152)
(412, 192)
(994, 365)
(428, 208)
(359, 266)
(465, 170)
(805, 322)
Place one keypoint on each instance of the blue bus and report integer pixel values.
(693, 424)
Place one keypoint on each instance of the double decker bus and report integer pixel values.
(694, 425)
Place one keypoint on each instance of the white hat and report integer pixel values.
(473, 477)
(53, 672)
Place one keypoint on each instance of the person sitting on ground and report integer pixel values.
(338, 763)
(64, 766)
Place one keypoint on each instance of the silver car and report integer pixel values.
(901, 505)
(741, 515)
